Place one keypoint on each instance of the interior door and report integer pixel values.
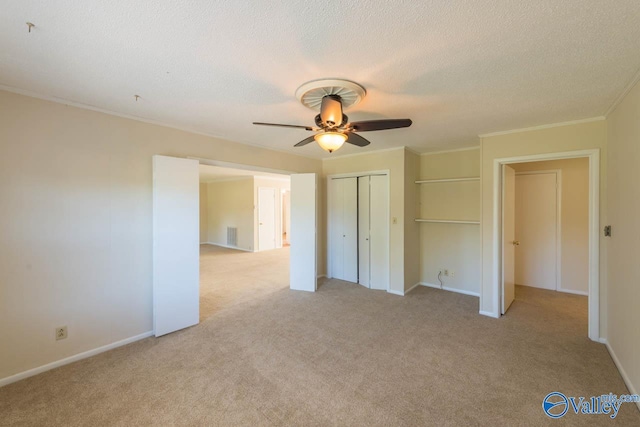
(303, 259)
(350, 230)
(508, 236)
(379, 232)
(343, 216)
(266, 218)
(176, 244)
(536, 211)
(363, 231)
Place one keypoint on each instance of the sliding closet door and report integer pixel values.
(379, 234)
(363, 231)
(344, 229)
(336, 209)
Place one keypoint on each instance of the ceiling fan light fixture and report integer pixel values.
(330, 141)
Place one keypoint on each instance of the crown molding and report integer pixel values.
(453, 150)
(540, 127)
(624, 93)
(382, 150)
(82, 106)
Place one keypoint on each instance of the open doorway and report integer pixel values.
(242, 250)
(548, 233)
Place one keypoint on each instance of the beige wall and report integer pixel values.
(455, 247)
(574, 220)
(624, 212)
(411, 227)
(76, 223)
(574, 137)
(231, 205)
(204, 218)
(279, 185)
(394, 162)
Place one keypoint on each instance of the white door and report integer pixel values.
(536, 212)
(379, 232)
(363, 231)
(266, 218)
(344, 229)
(303, 267)
(508, 236)
(176, 244)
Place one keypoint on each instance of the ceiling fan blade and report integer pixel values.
(284, 126)
(305, 141)
(370, 125)
(355, 139)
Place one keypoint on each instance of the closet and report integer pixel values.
(359, 230)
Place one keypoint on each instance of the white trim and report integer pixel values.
(623, 95)
(594, 228)
(450, 289)
(558, 174)
(82, 106)
(571, 291)
(412, 288)
(453, 150)
(394, 292)
(489, 314)
(321, 276)
(357, 174)
(447, 221)
(71, 359)
(430, 181)
(227, 246)
(623, 373)
(540, 127)
(382, 150)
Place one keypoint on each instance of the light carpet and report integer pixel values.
(344, 355)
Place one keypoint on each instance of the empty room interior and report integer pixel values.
(346, 213)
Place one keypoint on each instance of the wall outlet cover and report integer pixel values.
(61, 333)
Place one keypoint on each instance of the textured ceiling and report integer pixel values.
(214, 173)
(457, 68)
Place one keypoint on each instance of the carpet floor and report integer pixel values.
(345, 355)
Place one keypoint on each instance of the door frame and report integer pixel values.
(275, 219)
(594, 227)
(329, 193)
(558, 173)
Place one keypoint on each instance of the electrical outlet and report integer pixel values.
(445, 272)
(395, 220)
(452, 273)
(61, 333)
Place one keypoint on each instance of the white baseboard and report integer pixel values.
(321, 276)
(450, 289)
(489, 314)
(569, 291)
(412, 288)
(623, 374)
(71, 359)
(392, 291)
(227, 246)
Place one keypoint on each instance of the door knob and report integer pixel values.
(260, 223)
(516, 243)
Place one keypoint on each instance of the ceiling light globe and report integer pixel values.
(330, 141)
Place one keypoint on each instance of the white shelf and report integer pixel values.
(430, 181)
(447, 221)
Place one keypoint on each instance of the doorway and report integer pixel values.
(545, 263)
(179, 216)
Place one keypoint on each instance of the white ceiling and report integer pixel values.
(210, 173)
(458, 68)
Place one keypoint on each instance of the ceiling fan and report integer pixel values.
(332, 125)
